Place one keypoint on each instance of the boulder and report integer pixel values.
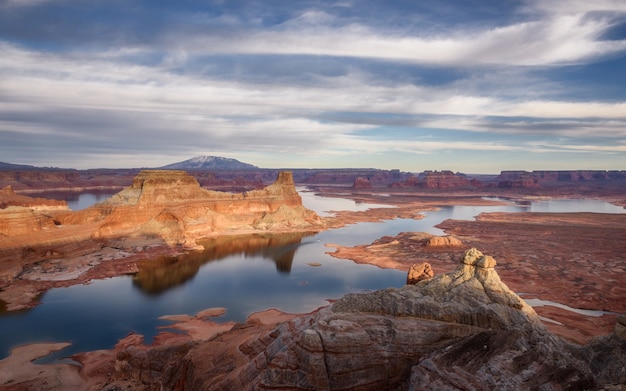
(443, 241)
(419, 272)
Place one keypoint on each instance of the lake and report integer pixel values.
(290, 272)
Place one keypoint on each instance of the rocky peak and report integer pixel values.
(472, 294)
(284, 186)
(210, 163)
(453, 331)
(473, 257)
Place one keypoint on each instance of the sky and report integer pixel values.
(474, 86)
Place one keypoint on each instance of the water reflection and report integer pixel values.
(324, 206)
(242, 273)
(156, 276)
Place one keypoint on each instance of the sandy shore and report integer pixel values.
(97, 368)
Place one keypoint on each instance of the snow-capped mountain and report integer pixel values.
(209, 163)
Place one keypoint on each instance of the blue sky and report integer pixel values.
(473, 86)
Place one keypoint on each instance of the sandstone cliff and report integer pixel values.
(165, 205)
(458, 331)
(173, 206)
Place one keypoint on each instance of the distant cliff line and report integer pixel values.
(32, 181)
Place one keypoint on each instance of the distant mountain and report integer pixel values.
(23, 167)
(209, 163)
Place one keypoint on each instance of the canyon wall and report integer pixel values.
(440, 180)
(48, 180)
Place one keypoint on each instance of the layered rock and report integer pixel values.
(173, 206)
(17, 220)
(527, 179)
(441, 180)
(444, 241)
(457, 331)
(8, 198)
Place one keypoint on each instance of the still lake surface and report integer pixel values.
(244, 275)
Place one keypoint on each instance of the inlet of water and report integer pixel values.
(244, 274)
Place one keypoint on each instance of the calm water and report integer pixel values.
(244, 274)
(78, 201)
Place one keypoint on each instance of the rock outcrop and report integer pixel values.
(419, 272)
(444, 241)
(456, 331)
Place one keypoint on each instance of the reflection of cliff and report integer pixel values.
(158, 275)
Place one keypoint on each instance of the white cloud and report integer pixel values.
(560, 36)
(32, 78)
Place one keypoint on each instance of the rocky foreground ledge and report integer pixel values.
(464, 330)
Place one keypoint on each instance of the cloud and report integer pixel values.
(555, 35)
(316, 82)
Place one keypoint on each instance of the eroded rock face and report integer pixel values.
(457, 331)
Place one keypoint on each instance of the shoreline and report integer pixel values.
(397, 253)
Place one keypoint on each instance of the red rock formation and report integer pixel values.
(15, 221)
(173, 206)
(438, 180)
(446, 180)
(169, 205)
(361, 183)
(525, 179)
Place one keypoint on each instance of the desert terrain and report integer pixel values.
(575, 259)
